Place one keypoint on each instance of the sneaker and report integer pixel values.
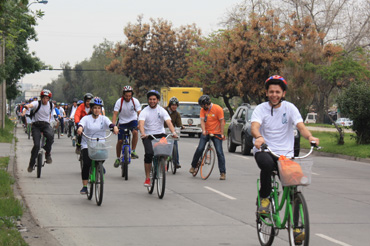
(30, 168)
(147, 183)
(264, 208)
(192, 170)
(223, 176)
(83, 191)
(78, 150)
(178, 166)
(68, 135)
(48, 158)
(117, 162)
(298, 236)
(134, 155)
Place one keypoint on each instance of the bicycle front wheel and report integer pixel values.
(208, 161)
(124, 166)
(39, 164)
(161, 177)
(99, 183)
(299, 230)
(174, 159)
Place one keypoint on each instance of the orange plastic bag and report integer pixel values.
(290, 172)
(162, 141)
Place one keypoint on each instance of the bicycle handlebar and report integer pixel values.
(169, 135)
(313, 145)
(97, 139)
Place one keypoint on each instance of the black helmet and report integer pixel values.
(205, 99)
(276, 80)
(88, 96)
(153, 93)
(75, 100)
(173, 100)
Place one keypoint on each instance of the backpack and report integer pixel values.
(120, 108)
(33, 112)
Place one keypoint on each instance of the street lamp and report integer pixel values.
(37, 1)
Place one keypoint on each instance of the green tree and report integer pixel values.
(355, 103)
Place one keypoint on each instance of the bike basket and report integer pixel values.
(98, 150)
(162, 146)
(295, 172)
(177, 130)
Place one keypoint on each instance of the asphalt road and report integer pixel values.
(193, 211)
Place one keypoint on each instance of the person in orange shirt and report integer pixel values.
(81, 111)
(212, 122)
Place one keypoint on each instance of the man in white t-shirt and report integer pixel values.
(126, 109)
(151, 122)
(272, 124)
(41, 123)
(71, 116)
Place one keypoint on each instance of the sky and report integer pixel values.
(70, 28)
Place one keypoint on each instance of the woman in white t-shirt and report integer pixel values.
(93, 125)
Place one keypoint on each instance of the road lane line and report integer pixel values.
(220, 193)
(315, 173)
(332, 240)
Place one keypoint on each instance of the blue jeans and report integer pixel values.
(218, 147)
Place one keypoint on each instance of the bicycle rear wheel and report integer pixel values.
(39, 164)
(124, 164)
(161, 177)
(99, 183)
(90, 186)
(152, 179)
(208, 161)
(299, 231)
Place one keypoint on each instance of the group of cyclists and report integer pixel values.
(272, 124)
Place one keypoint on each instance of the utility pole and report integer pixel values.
(2, 85)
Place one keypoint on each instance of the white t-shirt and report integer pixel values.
(154, 119)
(277, 129)
(61, 111)
(128, 111)
(73, 111)
(94, 128)
(44, 113)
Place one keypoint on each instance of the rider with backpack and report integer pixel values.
(41, 118)
(127, 109)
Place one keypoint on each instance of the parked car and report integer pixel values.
(344, 122)
(311, 118)
(239, 131)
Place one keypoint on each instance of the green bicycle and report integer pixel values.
(98, 153)
(292, 202)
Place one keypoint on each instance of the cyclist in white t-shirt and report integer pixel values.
(41, 123)
(272, 124)
(93, 125)
(126, 109)
(151, 122)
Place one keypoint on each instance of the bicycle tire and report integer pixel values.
(207, 164)
(300, 219)
(174, 159)
(161, 177)
(58, 133)
(152, 179)
(39, 164)
(81, 161)
(99, 183)
(90, 186)
(126, 155)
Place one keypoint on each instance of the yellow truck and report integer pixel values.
(188, 106)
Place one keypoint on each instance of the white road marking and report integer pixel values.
(332, 240)
(220, 193)
(315, 173)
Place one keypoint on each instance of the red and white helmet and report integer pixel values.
(45, 93)
(128, 88)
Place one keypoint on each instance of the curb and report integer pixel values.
(345, 157)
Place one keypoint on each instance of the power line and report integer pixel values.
(72, 69)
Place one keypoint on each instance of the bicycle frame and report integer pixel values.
(126, 143)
